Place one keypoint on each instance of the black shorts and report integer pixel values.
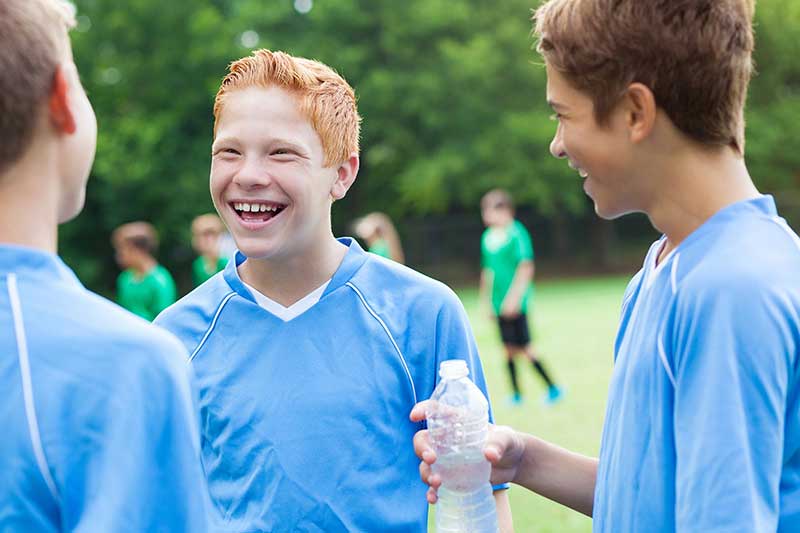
(514, 331)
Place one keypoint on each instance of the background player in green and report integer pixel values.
(378, 232)
(144, 287)
(507, 282)
(206, 233)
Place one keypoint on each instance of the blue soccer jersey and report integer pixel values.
(99, 427)
(702, 429)
(305, 422)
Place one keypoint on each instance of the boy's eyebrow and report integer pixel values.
(221, 140)
(555, 105)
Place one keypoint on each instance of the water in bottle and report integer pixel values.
(458, 418)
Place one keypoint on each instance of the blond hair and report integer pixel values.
(379, 225)
(324, 97)
(695, 55)
(33, 41)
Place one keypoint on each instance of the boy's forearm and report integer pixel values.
(558, 474)
(504, 519)
(522, 278)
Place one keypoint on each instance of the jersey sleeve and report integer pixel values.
(455, 340)
(137, 467)
(523, 243)
(733, 354)
(165, 293)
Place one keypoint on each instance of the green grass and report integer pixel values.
(574, 323)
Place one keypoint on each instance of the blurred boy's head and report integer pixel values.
(134, 244)
(206, 231)
(46, 120)
(285, 147)
(611, 64)
(497, 208)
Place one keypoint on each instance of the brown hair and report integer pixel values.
(496, 199)
(324, 97)
(695, 55)
(140, 235)
(33, 41)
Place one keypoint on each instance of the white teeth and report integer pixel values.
(255, 208)
(583, 173)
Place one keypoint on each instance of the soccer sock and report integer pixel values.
(512, 371)
(542, 372)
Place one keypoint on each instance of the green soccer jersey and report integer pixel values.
(502, 250)
(201, 271)
(146, 296)
(381, 248)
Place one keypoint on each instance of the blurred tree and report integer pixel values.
(452, 95)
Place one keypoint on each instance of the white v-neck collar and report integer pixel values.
(652, 269)
(296, 309)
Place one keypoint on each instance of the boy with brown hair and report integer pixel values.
(506, 286)
(144, 287)
(309, 351)
(702, 429)
(99, 423)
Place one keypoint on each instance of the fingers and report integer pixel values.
(429, 477)
(422, 447)
(418, 412)
(498, 440)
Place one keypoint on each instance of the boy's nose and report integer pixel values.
(557, 147)
(252, 175)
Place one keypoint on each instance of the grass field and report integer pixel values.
(574, 323)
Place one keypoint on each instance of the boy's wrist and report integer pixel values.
(530, 462)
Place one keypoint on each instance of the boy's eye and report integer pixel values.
(282, 151)
(227, 151)
(555, 117)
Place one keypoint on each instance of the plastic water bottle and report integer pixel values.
(458, 418)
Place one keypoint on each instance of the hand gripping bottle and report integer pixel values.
(458, 419)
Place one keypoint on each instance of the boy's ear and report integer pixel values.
(58, 104)
(346, 175)
(640, 111)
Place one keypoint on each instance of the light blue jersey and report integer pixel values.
(99, 429)
(702, 429)
(305, 422)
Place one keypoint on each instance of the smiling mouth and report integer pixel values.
(581, 172)
(257, 211)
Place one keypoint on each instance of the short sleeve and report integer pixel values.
(523, 243)
(484, 251)
(455, 340)
(165, 293)
(733, 350)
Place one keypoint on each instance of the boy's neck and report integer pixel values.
(288, 280)
(697, 184)
(144, 265)
(29, 205)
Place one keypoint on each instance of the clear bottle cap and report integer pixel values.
(453, 369)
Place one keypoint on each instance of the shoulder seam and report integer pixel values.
(211, 326)
(785, 227)
(27, 388)
(389, 334)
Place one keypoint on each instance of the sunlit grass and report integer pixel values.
(574, 323)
